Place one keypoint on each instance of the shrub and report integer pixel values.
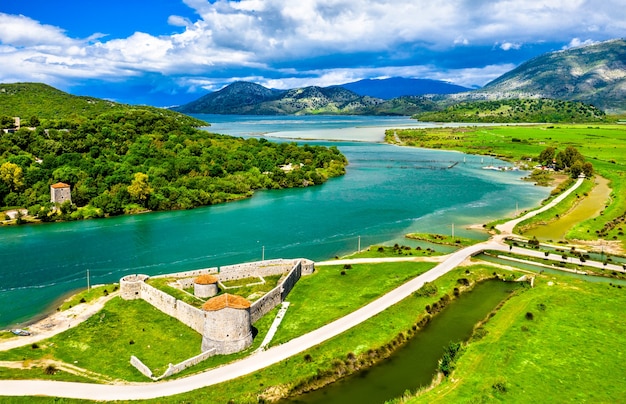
(428, 289)
(50, 370)
(529, 316)
(499, 386)
(308, 358)
(465, 281)
(34, 346)
(347, 266)
(450, 353)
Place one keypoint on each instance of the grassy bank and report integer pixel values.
(136, 328)
(603, 145)
(443, 239)
(566, 350)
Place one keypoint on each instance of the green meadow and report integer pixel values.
(602, 145)
(559, 342)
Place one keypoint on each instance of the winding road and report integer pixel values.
(262, 359)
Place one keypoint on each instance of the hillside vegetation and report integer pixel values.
(514, 110)
(242, 98)
(594, 74)
(118, 158)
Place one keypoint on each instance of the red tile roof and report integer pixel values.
(226, 300)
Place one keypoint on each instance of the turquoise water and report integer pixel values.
(387, 192)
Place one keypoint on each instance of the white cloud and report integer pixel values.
(21, 31)
(272, 35)
(576, 42)
(508, 46)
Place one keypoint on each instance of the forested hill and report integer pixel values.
(119, 158)
(514, 110)
(42, 101)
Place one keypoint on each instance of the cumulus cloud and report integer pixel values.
(576, 42)
(508, 46)
(285, 43)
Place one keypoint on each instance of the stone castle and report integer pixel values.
(224, 321)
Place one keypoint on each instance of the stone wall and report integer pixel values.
(277, 295)
(190, 316)
(225, 331)
(161, 300)
(140, 366)
(265, 304)
(255, 269)
(171, 369)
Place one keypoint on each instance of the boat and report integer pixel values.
(20, 332)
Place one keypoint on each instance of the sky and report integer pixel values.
(169, 52)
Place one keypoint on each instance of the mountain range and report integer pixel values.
(593, 74)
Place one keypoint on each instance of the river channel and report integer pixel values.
(388, 191)
(414, 365)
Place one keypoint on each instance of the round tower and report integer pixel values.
(205, 286)
(308, 266)
(227, 326)
(130, 286)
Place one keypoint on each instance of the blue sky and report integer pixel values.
(167, 52)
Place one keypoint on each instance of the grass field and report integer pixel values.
(567, 350)
(603, 145)
(159, 339)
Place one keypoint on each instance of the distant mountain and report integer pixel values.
(237, 98)
(395, 87)
(254, 99)
(594, 74)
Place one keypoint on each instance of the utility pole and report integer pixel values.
(88, 285)
(263, 254)
(359, 245)
(452, 230)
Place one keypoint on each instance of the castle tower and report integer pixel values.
(227, 326)
(60, 193)
(130, 286)
(205, 286)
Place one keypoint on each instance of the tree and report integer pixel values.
(140, 189)
(547, 156)
(576, 169)
(12, 175)
(587, 169)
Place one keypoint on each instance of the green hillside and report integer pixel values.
(121, 159)
(513, 110)
(594, 74)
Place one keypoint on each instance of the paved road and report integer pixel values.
(248, 365)
(265, 358)
(507, 228)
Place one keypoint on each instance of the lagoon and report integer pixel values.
(388, 191)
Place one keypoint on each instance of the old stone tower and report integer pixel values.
(60, 193)
(227, 326)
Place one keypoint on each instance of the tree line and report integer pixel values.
(129, 159)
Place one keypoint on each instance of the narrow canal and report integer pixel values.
(415, 364)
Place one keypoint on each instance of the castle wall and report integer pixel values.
(224, 331)
(190, 316)
(159, 299)
(277, 295)
(252, 269)
(190, 274)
